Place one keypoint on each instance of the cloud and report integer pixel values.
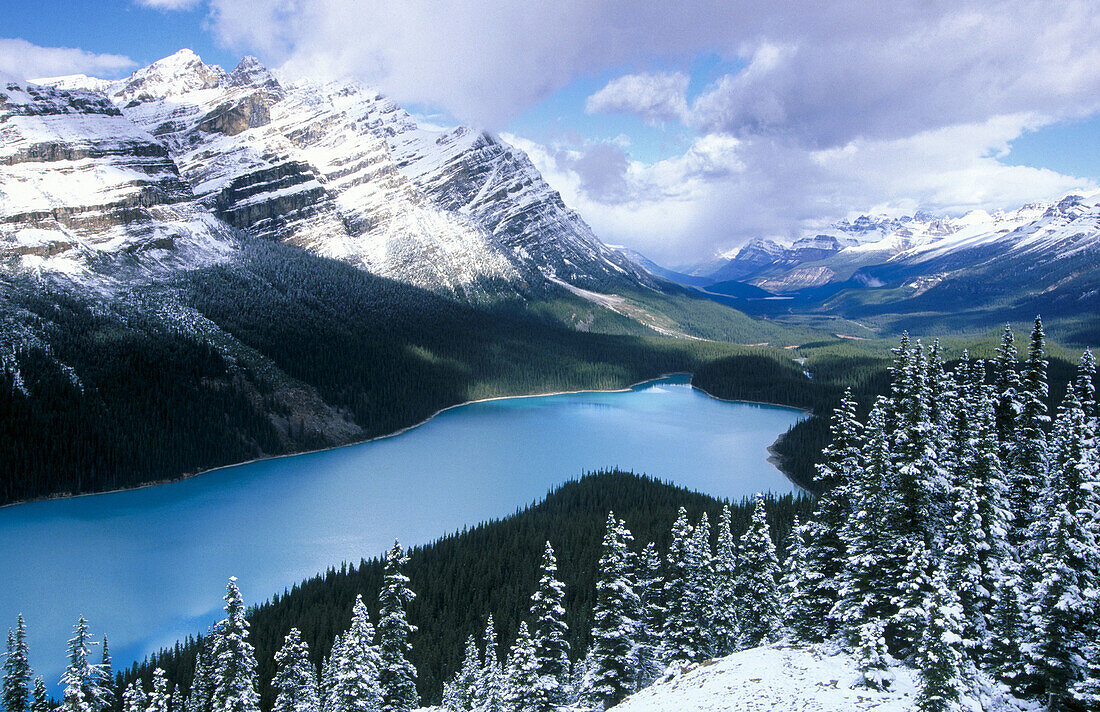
(656, 98)
(169, 4)
(28, 61)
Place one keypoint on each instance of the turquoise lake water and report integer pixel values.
(149, 566)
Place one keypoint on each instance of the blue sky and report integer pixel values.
(677, 133)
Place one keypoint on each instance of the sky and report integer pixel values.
(679, 129)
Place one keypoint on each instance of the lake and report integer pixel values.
(149, 566)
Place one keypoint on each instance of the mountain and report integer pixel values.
(791, 677)
(339, 170)
(924, 271)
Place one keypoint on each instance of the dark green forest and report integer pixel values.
(489, 568)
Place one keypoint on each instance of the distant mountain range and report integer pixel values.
(1042, 257)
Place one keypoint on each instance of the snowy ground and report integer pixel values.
(782, 678)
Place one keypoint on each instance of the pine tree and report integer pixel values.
(825, 549)
(460, 691)
(1068, 571)
(1030, 465)
(701, 583)
(1086, 387)
(965, 542)
(396, 676)
(295, 680)
(134, 699)
(1006, 386)
(355, 671)
(327, 686)
(872, 656)
(869, 583)
(202, 682)
(614, 619)
(679, 634)
(490, 681)
(522, 674)
(550, 634)
(177, 704)
(726, 630)
(234, 678)
(82, 681)
(762, 620)
(159, 699)
(941, 657)
(792, 588)
(107, 675)
(40, 701)
(17, 670)
(648, 643)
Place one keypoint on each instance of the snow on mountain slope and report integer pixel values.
(340, 170)
(786, 678)
(83, 189)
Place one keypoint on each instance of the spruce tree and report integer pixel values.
(792, 588)
(550, 634)
(490, 682)
(396, 675)
(1068, 571)
(177, 703)
(762, 621)
(1086, 386)
(965, 543)
(134, 699)
(614, 619)
(680, 602)
(941, 657)
(40, 700)
(107, 676)
(701, 583)
(17, 670)
(648, 643)
(159, 698)
(522, 674)
(825, 548)
(1029, 464)
(234, 678)
(726, 632)
(460, 691)
(872, 657)
(82, 682)
(295, 681)
(202, 682)
(1006, 386)
(355, 671)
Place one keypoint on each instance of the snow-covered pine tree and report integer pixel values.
(550, 634)
(490, 683)
(40, 700)
(160, 699)
(202, 682)
(396, 675)
(825, 549)
(648, 644)
(680, 602)
(1030, 462)
(234, 678)
(17, 670)
(326, 689)
(1006, 387)
(1068, 571)
(295, 681)
(965, 540)
(176, 704)
(702, 583)
(355, 683)
(460, 691)
(522, 674)
(82, 681)
(792, 588)
(870, 579)
(872, 656)
(134, 699)
(615, 618)
(762, 620)
(941, 658)
(107, 675)
(726, 632)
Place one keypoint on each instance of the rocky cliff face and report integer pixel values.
(340, 170)
(83, 190)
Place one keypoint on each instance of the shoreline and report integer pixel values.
(772, 456)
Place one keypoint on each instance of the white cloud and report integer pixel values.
(169, 4)
(28, 61)
(657, 98)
